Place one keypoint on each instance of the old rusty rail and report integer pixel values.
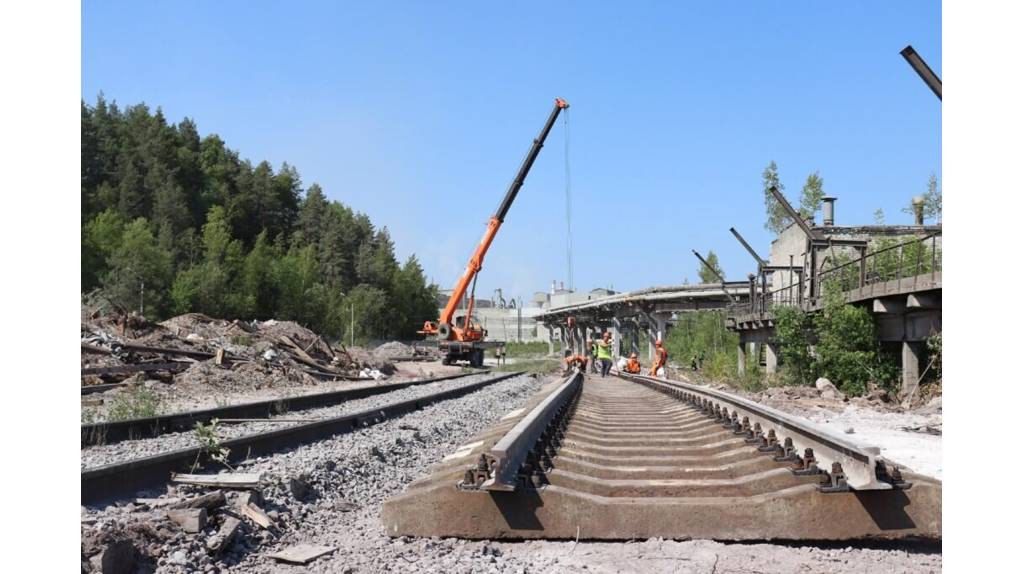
(848, 464)
(119, 480)
(510, 453)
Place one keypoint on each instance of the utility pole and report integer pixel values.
(352, 327)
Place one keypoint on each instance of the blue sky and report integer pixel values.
(418, 114)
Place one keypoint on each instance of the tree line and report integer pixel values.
(173, 223)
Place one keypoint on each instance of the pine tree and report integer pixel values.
(706, 275)
(811, 195)
(777, 219)
(140, 272)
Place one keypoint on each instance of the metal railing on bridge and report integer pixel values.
(917, 259)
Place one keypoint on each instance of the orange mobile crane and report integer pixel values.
(461, 339)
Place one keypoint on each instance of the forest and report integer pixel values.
(173, 222)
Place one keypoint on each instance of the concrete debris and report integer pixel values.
(228, 530)
(190, 520)
(256, 514)
(302, 553)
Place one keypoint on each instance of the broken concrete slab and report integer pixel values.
(302, 553)
(219, 541)
(191, 520)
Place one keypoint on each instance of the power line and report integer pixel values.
(568, 205)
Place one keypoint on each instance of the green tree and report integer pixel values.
(777, 219)
(811, 195)
(847, 348)
(879, 217)
(932, 208)
(793, 330)
(140, 272)
(707, 275)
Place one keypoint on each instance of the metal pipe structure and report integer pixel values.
(922, 69)
(720, 278)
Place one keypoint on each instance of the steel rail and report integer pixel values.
(119, 480)
(147, 427)
(858, 462)
(511, 451)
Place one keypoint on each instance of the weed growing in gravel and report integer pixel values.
(88, 416)
(135, 404)
(209, 442)
(243, 340)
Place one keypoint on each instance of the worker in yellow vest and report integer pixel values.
(604, 353)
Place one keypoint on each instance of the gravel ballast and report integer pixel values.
(95, 456)
(342, 482)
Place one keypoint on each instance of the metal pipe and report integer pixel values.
(923, 70)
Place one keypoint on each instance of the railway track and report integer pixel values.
(638, 457)
(116, 431)
(127, 478)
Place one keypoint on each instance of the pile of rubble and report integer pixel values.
(200, 353)
(202, 522)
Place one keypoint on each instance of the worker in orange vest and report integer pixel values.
(575, 361)
(660, 358)
(633, 366)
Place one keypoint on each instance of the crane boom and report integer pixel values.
(477, 259)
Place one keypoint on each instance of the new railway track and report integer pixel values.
(129, 477)
(637, 457)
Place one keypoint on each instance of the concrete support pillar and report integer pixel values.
(755, 354)
(651, 338)
(634, 331)
(741, 355)
(771, 358)
(911, 368)
(551, 342)
(616, 340)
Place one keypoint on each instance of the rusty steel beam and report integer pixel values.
(923, 70)
(793, 214)
(761, 263)
(720, 278)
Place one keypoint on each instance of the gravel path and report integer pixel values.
(95, 456)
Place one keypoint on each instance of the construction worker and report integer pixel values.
(660, 358)
(575, 362)
(633, 366)
(604, 353)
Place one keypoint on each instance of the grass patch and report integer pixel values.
(137, 403)
(529, 349)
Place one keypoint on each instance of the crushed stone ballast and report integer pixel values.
(110, 432)
(126, 477)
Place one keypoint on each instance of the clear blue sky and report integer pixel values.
(418, 113)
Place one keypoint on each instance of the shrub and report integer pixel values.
(135, 404)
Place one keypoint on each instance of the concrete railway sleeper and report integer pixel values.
(618, 458)
(128, 478)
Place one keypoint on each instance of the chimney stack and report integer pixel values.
(561, 285)
(553, 286)
(828, 210)
(918, 203)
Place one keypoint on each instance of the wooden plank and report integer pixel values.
(256, 514)
(302, 553)
(175, 366)
(235, 480)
